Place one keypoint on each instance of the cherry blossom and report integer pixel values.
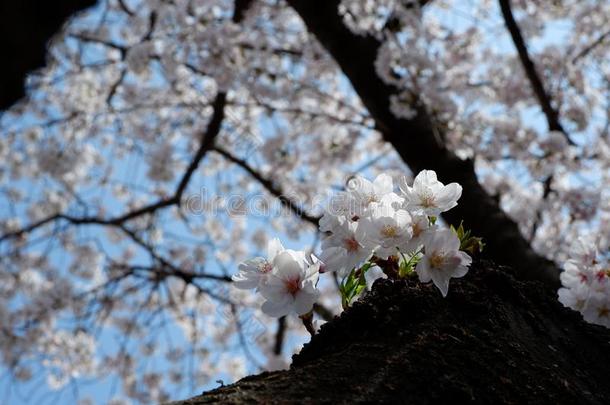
(585, 283)
(103, 229)
(343, 250)
(291, 286)
(366, 192)
(442, 260)
(253, 273)
(420, 228)
(428, 195)
(385, 229)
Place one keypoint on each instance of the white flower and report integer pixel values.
(360, 194)
(428, 195)
(373, 274)
(342, 251)
(442, 260)
(420, 227)
(385, 229)
(254, 272)
(341, 208)
(291, 287)
(365, 192)
(597, 309)
(575, 297)
(584, 251)
(586, 283)
(575, 275)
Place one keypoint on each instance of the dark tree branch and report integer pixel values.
(416, 143)
(270, 186)
(552, 116)
(545, 195)
(208, 138)
(241, 7)
(126, 9)
(279, 336)
(86, 38)
(544, 99)
(323, 312)
(600, 40)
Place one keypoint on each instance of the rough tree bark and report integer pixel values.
(419, 142)
(492, 340)
(25, 29)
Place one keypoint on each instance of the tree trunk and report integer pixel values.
(419, 142)
(26, 26)
(492, 340)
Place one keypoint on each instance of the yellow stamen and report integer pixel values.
(389, 231)
(436, 260)
(427, 201)
(417, 230)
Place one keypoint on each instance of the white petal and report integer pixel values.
(459, 271)
(441, 281)
(333, 258)
(442, 240)
(465, 259)
(373, 274)
(286, 266)
(273, 248)
(403, 219)
(251, 265)
(277, 308)
(274, 289)
(245, 282)
(448, 196)
(304, 300)
(423, 270)
(425, 178)
(404, 187)
(383, 184)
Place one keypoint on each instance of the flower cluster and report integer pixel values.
(372, 231)
(586, 284)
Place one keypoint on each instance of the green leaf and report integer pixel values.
(353, 284)
(468, 243)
